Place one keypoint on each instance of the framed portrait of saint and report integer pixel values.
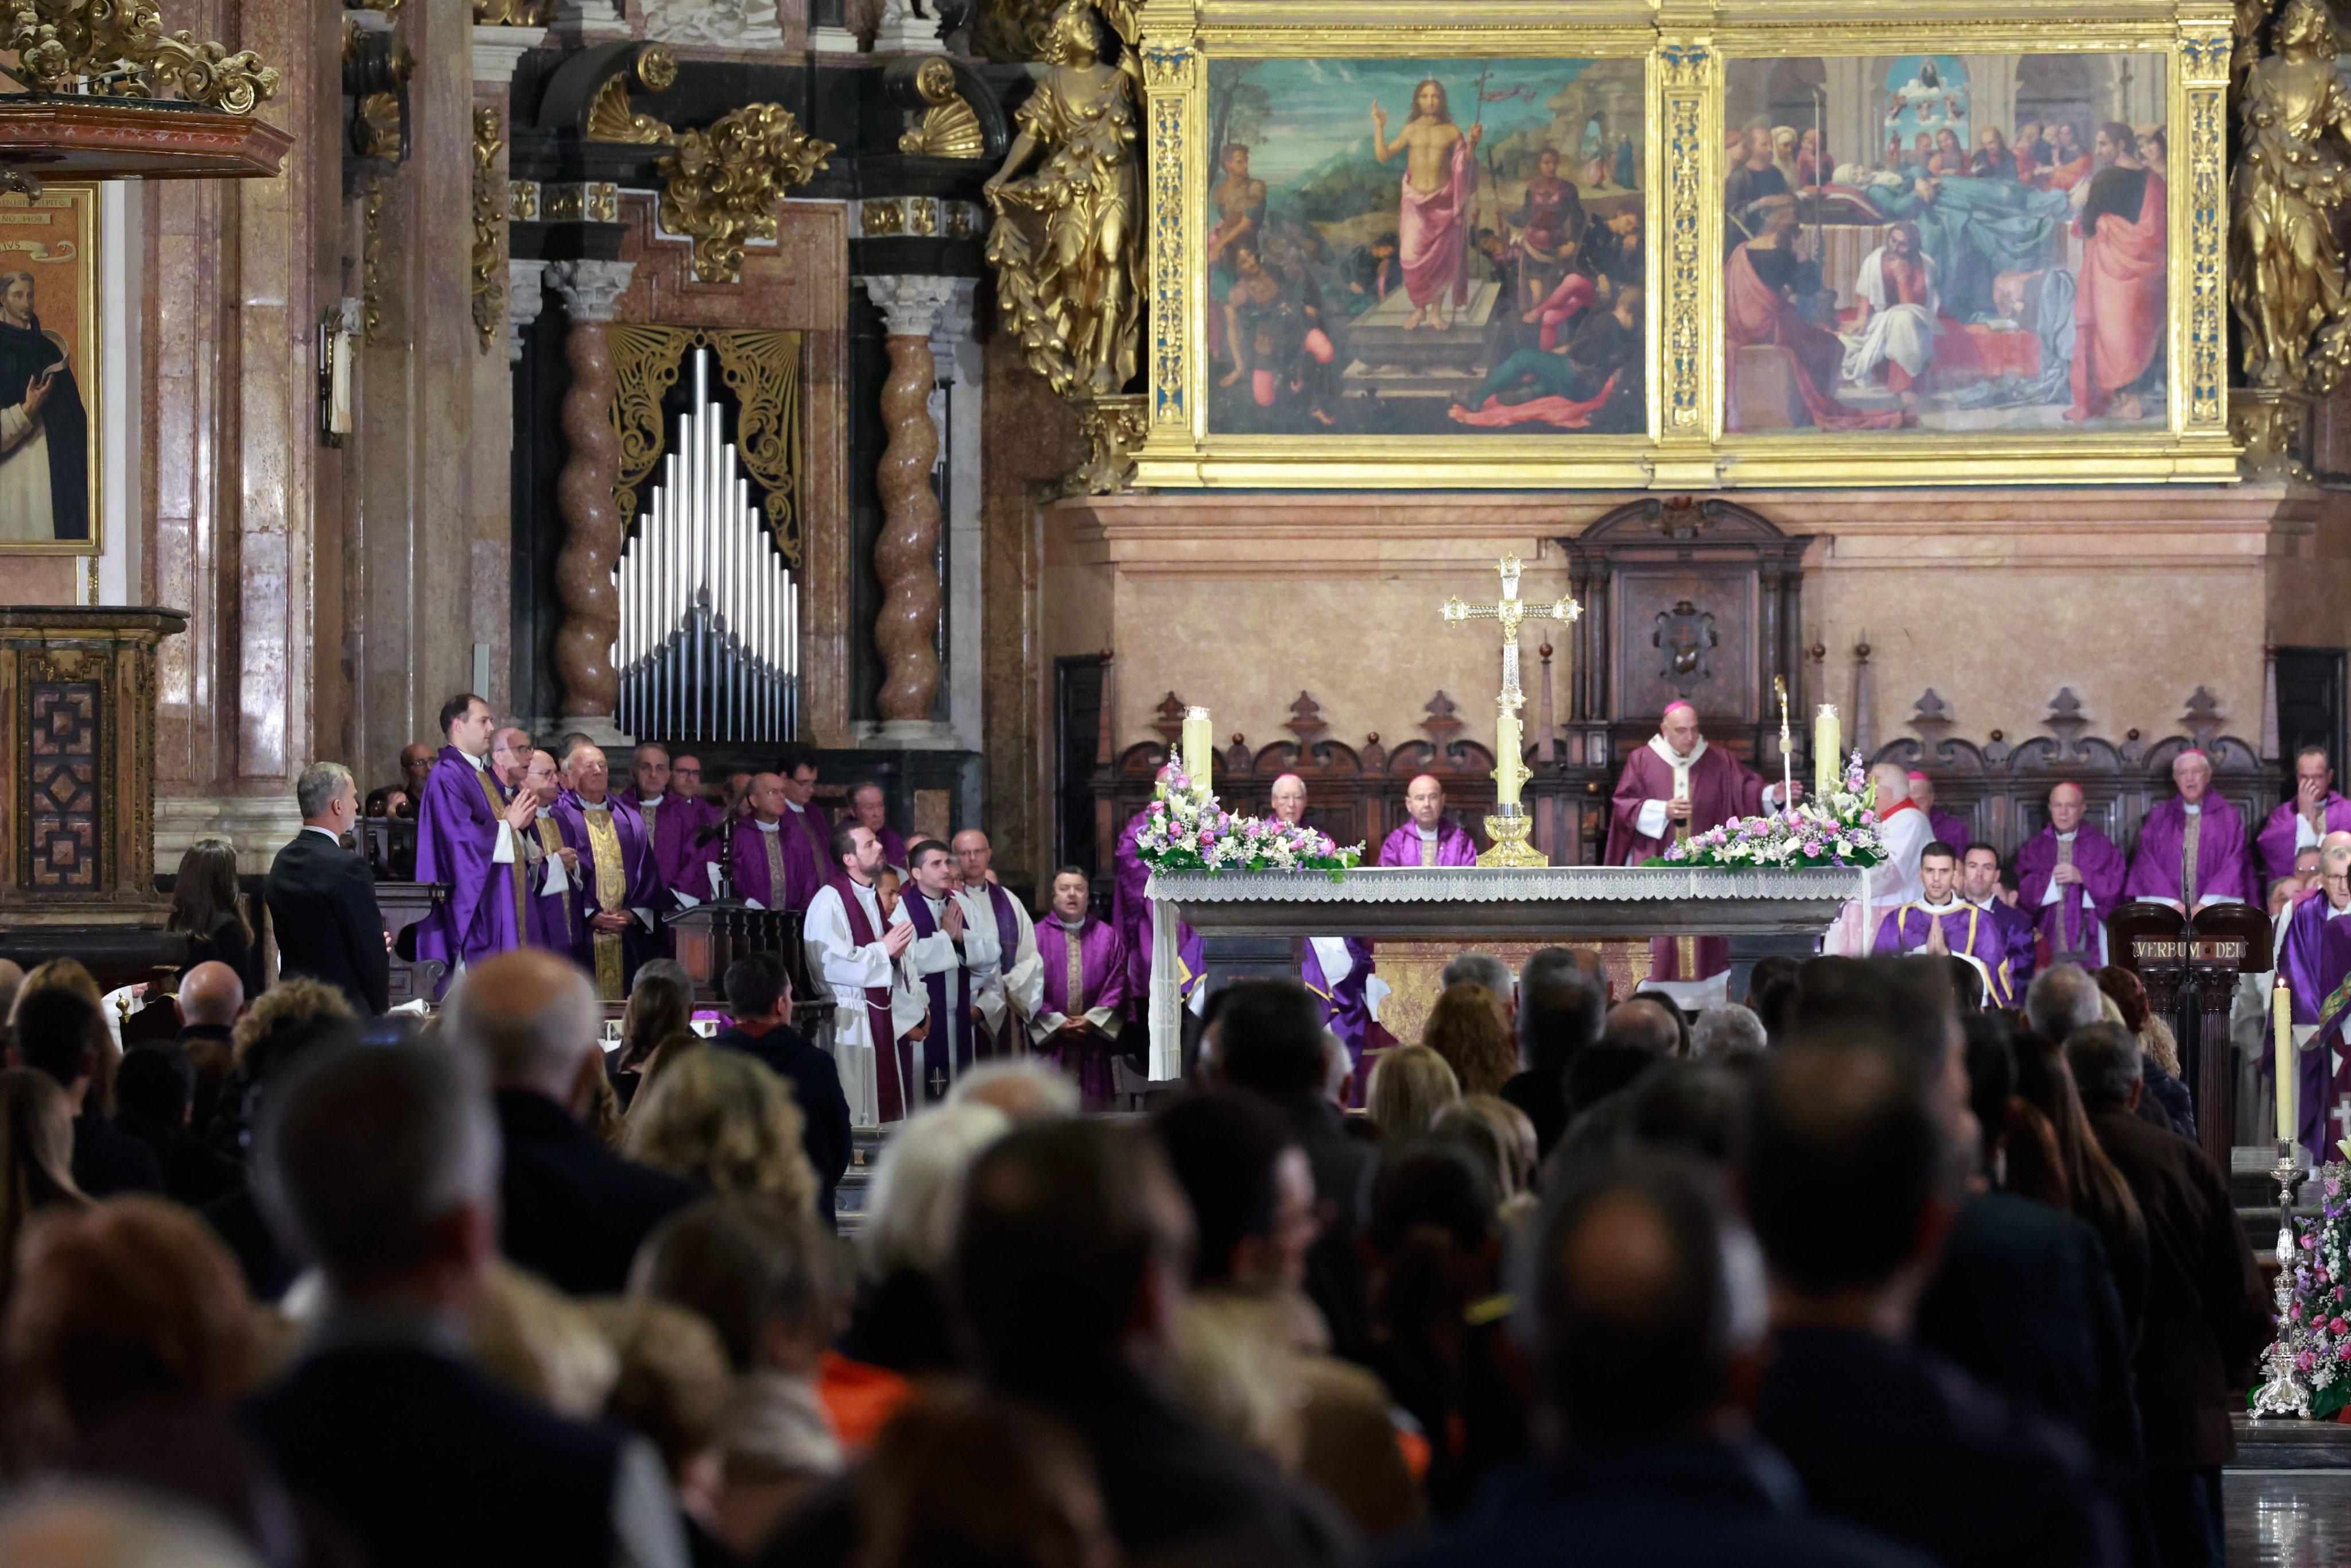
(49, 329)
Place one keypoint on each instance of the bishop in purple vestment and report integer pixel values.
(2300, 824)
(2315, 960)
(466, 837)
(1428, 837)
(2069, 906)
(1131, 914)
(1674, 787)
(551, 865)
(621, 891)
(2164, 869)
(1085, 966)
(671, 823)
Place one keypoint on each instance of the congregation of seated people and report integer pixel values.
(1852, 1272)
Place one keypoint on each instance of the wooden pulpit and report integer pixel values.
(711, 936)
(77, 730)
(2189, 969)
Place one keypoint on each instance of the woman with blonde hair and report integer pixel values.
(723, 1119)
(35, 1158)
(1410, 1087)
(1466, 1028)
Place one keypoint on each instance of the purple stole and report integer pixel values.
(946, 1052)
(1008, 936)
(1102, 980)
(1950, 830)
(890, 1069)
(2158, 866)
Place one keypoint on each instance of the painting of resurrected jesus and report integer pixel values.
(1439, 179)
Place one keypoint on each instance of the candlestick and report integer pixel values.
(1199, 749)
(1828, 768)
(2282, 1015)
(1507, 766)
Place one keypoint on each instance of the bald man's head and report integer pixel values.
(211, 994)
(2066, 807)
(973, 856)
(1424, 799)
(531, 1020)
(1893, 785)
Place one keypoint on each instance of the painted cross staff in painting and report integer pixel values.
(1425, 247)
(1945, 243)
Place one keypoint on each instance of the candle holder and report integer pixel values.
(1508, 828)
(2285, 1393)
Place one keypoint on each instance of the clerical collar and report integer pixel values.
(481, 763)
(644, 800)
(1424, 833)
(544, 813)
(1678, 759)
(766, 826)
(2192, 808)
(1952, 905)
(586, 805)
(1077, 925)
(2068, 836)
(795, 805)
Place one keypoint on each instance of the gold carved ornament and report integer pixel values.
(2293, 177)
(489, 270)
(761, 368)
(950, 128)
(610, 119)
(720, 188)
(117, 48)
(372, 261)
(513, 13)
(1069, 280)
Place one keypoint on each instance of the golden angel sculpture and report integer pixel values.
(2293, 175)
(1068, 278)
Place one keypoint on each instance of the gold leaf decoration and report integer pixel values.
(489, 268)
(610, 120)
(950, 127)
(721, 186)
(119, 43)
(761, 368)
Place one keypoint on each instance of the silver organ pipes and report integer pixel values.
(709, 643)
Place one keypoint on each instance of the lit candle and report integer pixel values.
(1828, 768)
(1199, 747)
(2282, 1010)
(1506, 770)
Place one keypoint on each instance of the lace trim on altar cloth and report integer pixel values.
(1482, 884)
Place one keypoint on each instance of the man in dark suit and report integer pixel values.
(58, 1032)
(322, 897)
(760, 998)
(574, 1211)
(382, 1163)
(2206, 1319)
(209, 1001)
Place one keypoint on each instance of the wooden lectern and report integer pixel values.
(2189, 969)
(710, 936)
(77, 731)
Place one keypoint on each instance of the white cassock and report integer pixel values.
(847, 969)
(27, 506)
(1016, 980)
(1901, 332)
(938, 954)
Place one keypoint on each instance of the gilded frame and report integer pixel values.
(1685, 49)
(76, 203)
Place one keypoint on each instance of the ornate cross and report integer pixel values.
(938, 1083)
(1510, 610)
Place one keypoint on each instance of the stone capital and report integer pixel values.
(498, 50)
(912, 303)
(526, 296)
(591, 290)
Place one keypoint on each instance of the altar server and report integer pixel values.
(620, 887)
(466, 836)
(2315, 959)
(2300, 824)
(1671, 789)
(1979, 885)
(2070, 875)
(2191, 848)
(1082, 988)
(1940, 922)
(1428, 836)
(950, 943)
(852, 950)
(1009, 991)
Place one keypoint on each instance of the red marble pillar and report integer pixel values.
(584, 570)
(905, 558)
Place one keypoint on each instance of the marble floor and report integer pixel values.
(2288, 1519)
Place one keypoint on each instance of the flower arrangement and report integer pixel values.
(1185, 830)
(1840, 830)
(2317, 1326)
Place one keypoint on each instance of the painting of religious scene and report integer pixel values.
(1425, 247)
(1949, 243)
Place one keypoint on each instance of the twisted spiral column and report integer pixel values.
(592, 545)
(905, 558)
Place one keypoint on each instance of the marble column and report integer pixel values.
(490, 451)
(590, 291)
(526, 298)
(959, 407)
(905, 632)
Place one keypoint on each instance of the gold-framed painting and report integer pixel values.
(2035, 294)
(51, 323)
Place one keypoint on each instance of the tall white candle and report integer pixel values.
(1199, 747)
(2281, 1013)
(1828, 766)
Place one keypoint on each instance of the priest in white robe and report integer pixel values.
(852, 949)
(1009, 992)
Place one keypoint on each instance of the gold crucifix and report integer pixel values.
(1508, 825)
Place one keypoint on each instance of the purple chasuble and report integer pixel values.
(2155, 867)
(553, 917)
(808, 856)
(1345, 1009)
(2069, 928)
(1102, 966)
(2315, 961)
(1721, 787)
(1130, 913)
(893, 847)
(753, 879)
(2277, 836)
(456, 835)
(1950, 830)
(1967, 931)
(946, 1044)
(641, 883)
(891, 1066)
(2016, 933)
(671, 824)
(1454, 844)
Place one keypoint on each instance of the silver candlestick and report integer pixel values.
(2285, 1392)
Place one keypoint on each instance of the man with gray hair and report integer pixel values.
(1485, 969)
(2060, 999)
(380, 1163)
(1732, 1029)
(321, 896)
(575, 1212)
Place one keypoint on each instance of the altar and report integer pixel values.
(1255, 923)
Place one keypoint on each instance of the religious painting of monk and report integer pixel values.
(48, 337)
(1381, 236)
(1993, 271)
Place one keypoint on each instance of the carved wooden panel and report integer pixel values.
(1684, 637)
(61, 769)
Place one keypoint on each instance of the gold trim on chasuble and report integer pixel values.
(611, 895)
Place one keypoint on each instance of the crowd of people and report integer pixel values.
(1851, 1274)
